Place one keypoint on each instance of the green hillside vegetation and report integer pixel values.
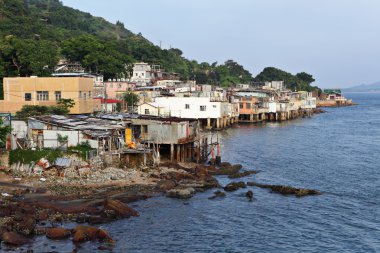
(35, 34)
(299, 82)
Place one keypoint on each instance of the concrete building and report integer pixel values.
(151, 108)
(20, 91)
(110, 105)
(116, 89)
(253, 106)
(211, 112)
(141, 74)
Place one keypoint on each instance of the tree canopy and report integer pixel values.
(62, 108)
(298, 82)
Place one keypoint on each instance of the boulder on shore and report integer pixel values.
(14, 239)
(85, 233)
(58, 233)
(234, 186)
(165, 185)
(184, 193)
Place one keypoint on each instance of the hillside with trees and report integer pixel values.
(301, 81)
(35, 34)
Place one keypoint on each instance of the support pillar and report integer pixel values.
(198, 152)
(208, 123)
(178, 153)
(172, 152)
(218, 123)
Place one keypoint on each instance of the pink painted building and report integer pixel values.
(116, 89)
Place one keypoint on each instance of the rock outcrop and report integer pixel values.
(243, 174)
(286, 190)
(14, 239)
(58, 233)
(180, 193)
(120, 208)
(227, 169)
(234, 186)
(218, 194)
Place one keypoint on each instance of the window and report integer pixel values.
(85, 95)
(147, 111)
(89, 94)
(80, 94)
(203, 108)
(58, 95)
(28, 96)
(241, 105)
(142, 74)
(137, 74)
(144, 129)
(42, 95)
(187, 106)
(248, 105)
(214, 106)
(119, 85)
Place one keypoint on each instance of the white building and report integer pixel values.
(141, 74)
(217, 114)
(153, 109)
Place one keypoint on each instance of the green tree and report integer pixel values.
(131, 99)
(4, 131)
(305, 77)
(66, 103)
(27, 57)
(62, 108)
(97, 56)
(298, 82)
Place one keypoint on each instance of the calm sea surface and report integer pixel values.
(337, 153)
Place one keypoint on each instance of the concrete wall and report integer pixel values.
(74, 138)
(19, 128)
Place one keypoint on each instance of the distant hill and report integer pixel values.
(375, 87)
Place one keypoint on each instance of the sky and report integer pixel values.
(337, 41)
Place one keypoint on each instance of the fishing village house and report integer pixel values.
(271, 101)
(253, 105)
(47, 91)
(212, 112)
(121, 137)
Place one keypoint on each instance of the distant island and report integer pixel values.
(375, 87)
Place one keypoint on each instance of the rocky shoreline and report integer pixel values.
(30, 207)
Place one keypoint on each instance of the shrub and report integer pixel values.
(28, 156)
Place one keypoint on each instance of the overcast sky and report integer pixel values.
(337, 41)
